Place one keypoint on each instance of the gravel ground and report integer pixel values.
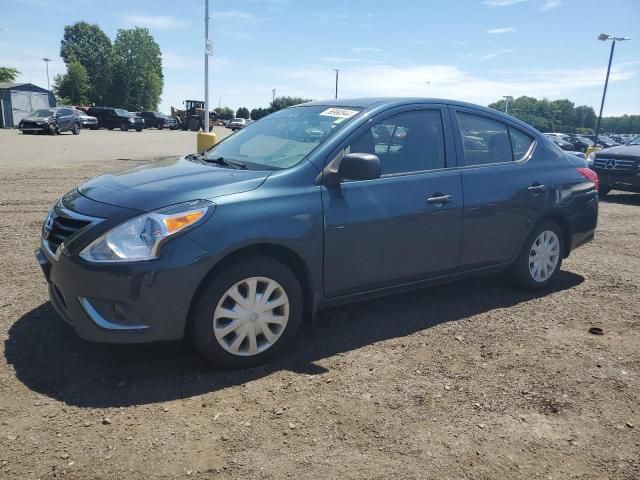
(468, 380)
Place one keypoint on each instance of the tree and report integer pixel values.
(8, 74)
(258, 113)
(90, 47)
(224, 113)
(137, 69)
(243, 112)
(74, 85)
(283, 102)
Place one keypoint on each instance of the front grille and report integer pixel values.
(617, 164)
(58, 228)
(30, 125)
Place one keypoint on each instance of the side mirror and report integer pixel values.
(350, 166)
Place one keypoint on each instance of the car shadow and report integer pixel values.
(50, 359)
(622, 198)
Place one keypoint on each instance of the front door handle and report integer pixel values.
(536, 188)
(439, 199)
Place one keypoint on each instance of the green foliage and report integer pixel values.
(243, 112)
(90, 47)
(563, 116)
(283, 102)
(224, 113)
(8, 74)
(127, 73)
(74, 85)
(138, 69)
(258, 113)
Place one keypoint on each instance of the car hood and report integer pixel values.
(38, 119)
(168, 182)
(631, 150)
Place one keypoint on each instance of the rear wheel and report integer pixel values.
(541, 257)
(247, 314)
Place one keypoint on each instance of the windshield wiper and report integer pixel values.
(226, 163)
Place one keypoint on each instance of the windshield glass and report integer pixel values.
(284, 138)
(122, 113)
(42, 113)
(635, 141)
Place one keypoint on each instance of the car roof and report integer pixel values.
(383, 103)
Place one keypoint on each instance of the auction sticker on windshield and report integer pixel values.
(339, 113)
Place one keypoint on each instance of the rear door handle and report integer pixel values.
(536, 188)
(439, 199)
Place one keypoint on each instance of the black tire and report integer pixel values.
(201, 321)
(520, 269)
(161, 127)
(110, 128)
(194, 124)
(75, 129)
(52, 129)
(138, 129)
(124, 126)
(603, 191)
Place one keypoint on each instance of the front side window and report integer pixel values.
(405, 142)
(284, 138)
(487, 141)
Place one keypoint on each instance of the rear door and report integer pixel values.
(504, 189)
(405, 225)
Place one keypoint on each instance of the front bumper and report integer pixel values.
(34, 128)
(133, 302)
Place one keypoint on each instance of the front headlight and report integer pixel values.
(591, 159)
(140, 238)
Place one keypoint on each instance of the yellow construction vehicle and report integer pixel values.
(191, 118)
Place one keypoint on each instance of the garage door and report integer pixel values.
(23, 103)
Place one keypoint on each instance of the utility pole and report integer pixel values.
(604, 37)
(336, 82)
(46, 61)
(273, 95)
(207, 52)
(507, 99)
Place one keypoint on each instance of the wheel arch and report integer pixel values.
(283, 254)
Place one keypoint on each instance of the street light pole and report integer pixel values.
(604, 37)
(273, 95)
(507, 99)
(336, 82)
(46, 61)
(205, 120)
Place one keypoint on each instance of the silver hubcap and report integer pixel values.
(543, 256)
(251, 316)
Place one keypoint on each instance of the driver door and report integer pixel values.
(390, 230)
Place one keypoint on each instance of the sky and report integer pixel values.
(471, 50)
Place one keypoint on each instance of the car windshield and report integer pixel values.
(122, 113)
(585, 140)
(43, 113)
(635, 141)
(283, 139)
(238, 120)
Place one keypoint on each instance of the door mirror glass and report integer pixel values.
(359, 166)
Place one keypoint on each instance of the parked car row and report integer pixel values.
(577, 142)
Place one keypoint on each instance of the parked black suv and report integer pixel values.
(579, 142)
(154, 120)
(52, 121)
(618, 167)
(111, 118)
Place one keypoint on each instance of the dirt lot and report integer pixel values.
(469, 380)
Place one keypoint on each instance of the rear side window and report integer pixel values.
(406, 142)
(487, 141)
(520, 143)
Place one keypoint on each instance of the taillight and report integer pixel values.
(590, 175)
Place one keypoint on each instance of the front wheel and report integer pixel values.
(541, 257)
(247, 314)
(138, 129)
(75, 129)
